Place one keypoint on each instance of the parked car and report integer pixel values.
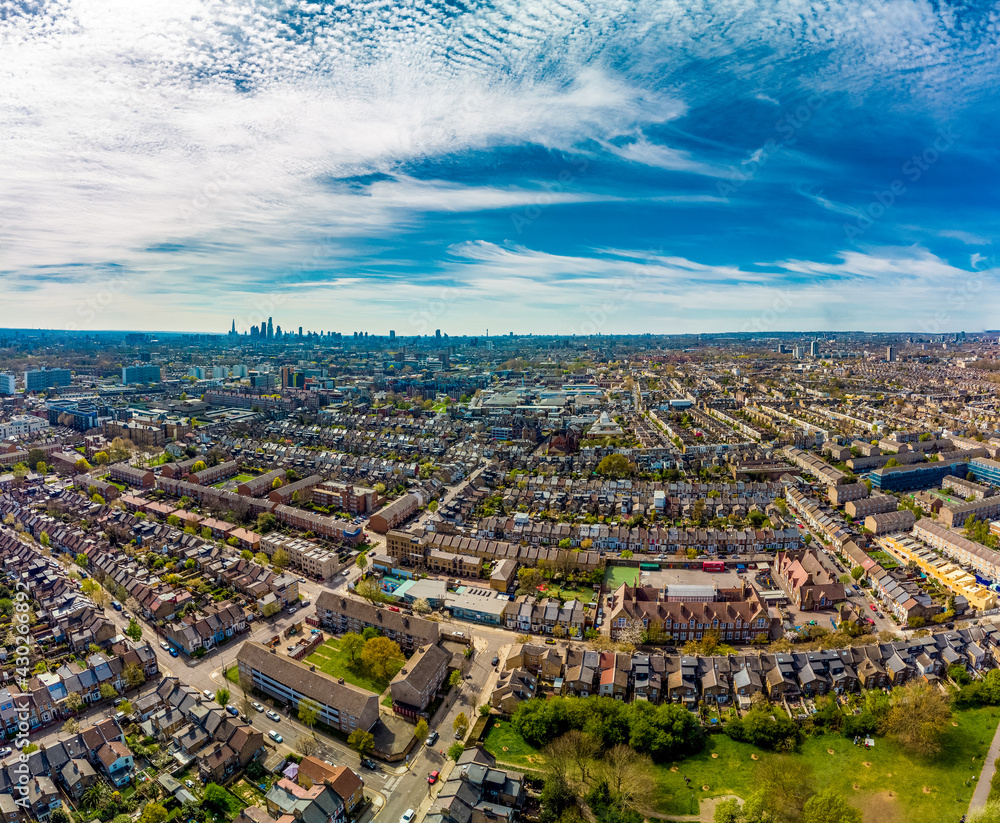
(495, 660)
(407, 816)
(174, 653)
(233, 711)
(432, 738)
(208, 695)
(165, 645)
(368, 763)
(277, 738)
(273, 715)
(433, 777)
(872, 607)
(257, 706)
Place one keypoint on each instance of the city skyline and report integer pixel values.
(692, 168)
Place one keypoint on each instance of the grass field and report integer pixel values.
(585, 595)
(615, 576)
(330, 659)
(893, 788)
(518, 753)
(887, 561)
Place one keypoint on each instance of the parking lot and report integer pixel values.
(667, 577)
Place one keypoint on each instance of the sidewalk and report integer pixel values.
(982, 792)
(431, 796)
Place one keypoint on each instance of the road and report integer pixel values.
(401, 786)
(426, 516)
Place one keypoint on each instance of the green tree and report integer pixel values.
(309, 712)
(60, 815)
(222, 697)
(361, 562)
(280, 559)
(352, 643)
(615, 466)
(43, 538)
(277, 484)
(421, 730)
(382, 657)
(990, 813)
(918, 717)
(216, 797)
(361, 741)
(133, 675)
(74, 702)
(829, 807)
(858, 572)
(455, 750)
(266, 522)
(455, 678)
(108, 692)
(199, 466)
(155, 813)
(728, 811)
(134, 630)
(270, 609)
(370, 591)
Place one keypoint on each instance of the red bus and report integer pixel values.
(713, 566)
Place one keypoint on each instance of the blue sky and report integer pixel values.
(556, 166)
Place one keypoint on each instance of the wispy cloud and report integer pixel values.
(205, 153)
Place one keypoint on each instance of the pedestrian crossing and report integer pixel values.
(391, 784)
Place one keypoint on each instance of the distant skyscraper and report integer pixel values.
(890, 354)
(270, 329)
(300, 331)
(437, 334)
(7, 382)
(263, 330)
(392, 334)
(277, 332)
(814, 348)
(232, 331)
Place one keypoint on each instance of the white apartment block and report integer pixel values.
(24, 425)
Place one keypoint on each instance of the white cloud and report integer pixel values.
(199, 145)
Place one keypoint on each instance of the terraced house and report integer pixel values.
(659, 677)
(738, 616)
(345, 614)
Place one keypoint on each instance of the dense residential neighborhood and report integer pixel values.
(293, 596)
